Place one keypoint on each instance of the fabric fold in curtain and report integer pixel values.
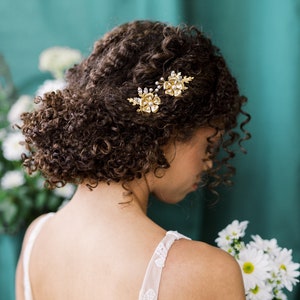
(261, 42)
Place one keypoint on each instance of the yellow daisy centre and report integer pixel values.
(282, 267)
(248, 267)
(255, 290)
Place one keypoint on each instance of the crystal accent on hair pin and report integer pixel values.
(148, 99)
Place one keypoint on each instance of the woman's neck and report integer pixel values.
(114, 196)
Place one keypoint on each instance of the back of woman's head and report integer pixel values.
(90, 130)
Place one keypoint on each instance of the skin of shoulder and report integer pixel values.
(196, 270)
(19, 286)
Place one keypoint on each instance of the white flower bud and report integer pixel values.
(12, 179)
(66, 191)
(57, 60)
(11, 147)
(23, 104)
(50, 86)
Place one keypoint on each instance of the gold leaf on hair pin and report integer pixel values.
(147, 100)
(175, 83)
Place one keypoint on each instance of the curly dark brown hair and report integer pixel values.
(90, 131)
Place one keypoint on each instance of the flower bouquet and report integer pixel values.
(23, 197)
(267, 269)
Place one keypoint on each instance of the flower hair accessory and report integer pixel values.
(148, 99)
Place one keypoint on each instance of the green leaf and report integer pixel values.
(8, 212)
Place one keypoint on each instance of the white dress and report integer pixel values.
(150, 286)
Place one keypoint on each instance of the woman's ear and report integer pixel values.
(169, 151)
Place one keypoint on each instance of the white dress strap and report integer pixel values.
(150, 286)
(27, 252)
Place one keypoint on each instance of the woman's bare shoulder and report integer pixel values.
(196, 270)
(20, 270)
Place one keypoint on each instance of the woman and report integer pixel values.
(146, 112)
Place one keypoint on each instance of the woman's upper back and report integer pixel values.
(74, 259)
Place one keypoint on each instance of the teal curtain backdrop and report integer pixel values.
(261, 42)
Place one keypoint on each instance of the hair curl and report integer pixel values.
(90, 131)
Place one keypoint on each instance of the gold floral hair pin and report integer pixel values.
(148, 99)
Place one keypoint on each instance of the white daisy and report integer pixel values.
(50, 86)
(231, 233)
(255, 267)
(281, 296)
(11, 147)
(268, 246)
(266, 267)
(23, 104)
(66, 191)
(12, 179)
(287, 269)
(275, 280)
(260, 293)
(58, 59)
